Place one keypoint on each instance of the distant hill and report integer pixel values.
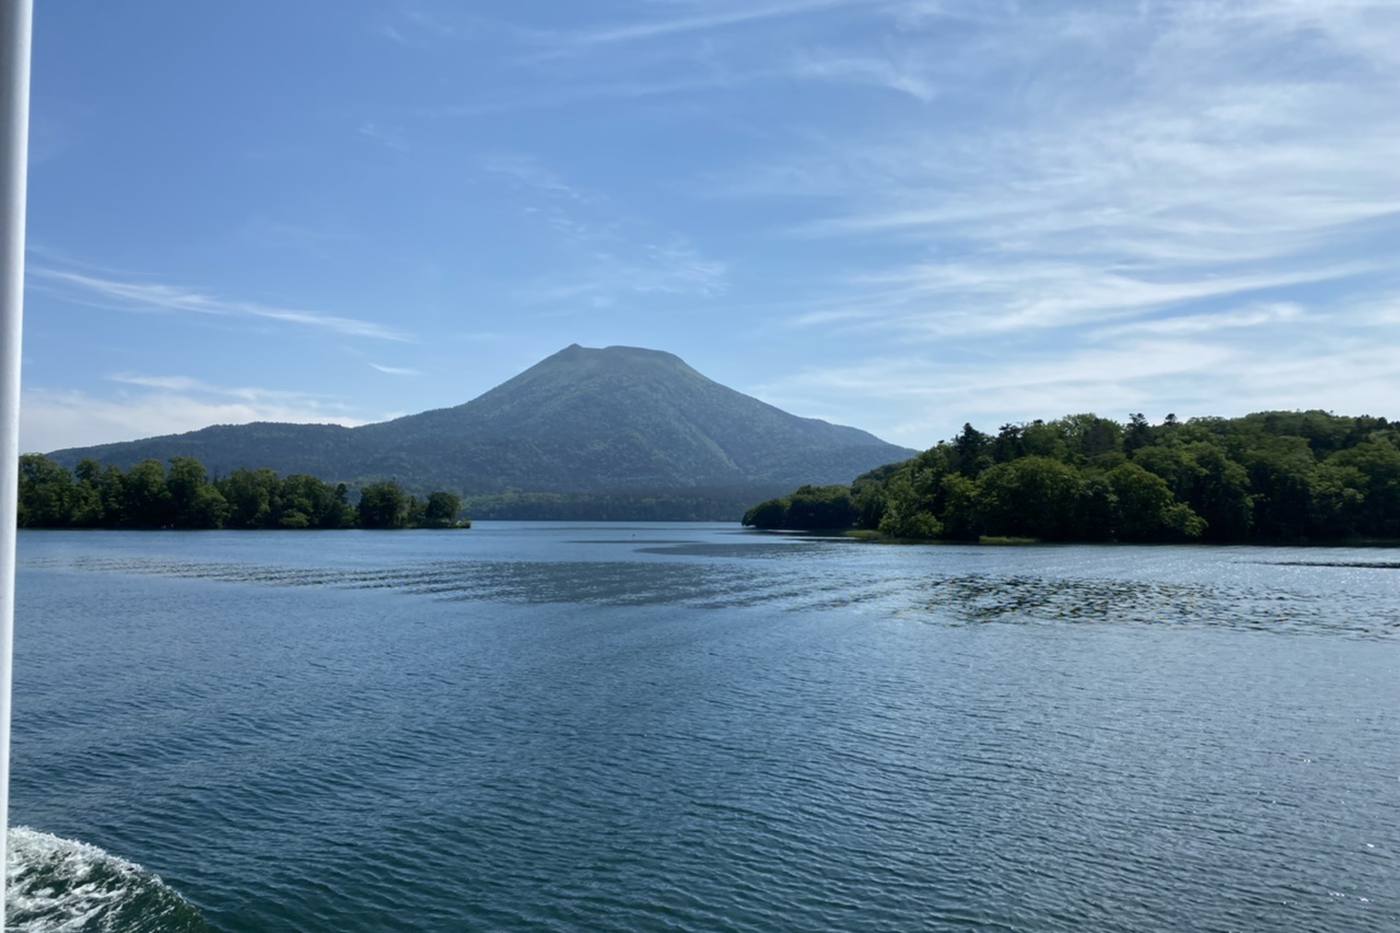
(619, 432)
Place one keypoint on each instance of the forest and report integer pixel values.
(1269, 477)
(185, 497)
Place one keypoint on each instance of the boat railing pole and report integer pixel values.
(16, 19)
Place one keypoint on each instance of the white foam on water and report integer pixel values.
(57, 885)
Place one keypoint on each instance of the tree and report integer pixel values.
(46, 493)
(208, 510)
(186, 478)
(1378, 460)
(92, 496)
(249, 494)
(906, 514)
(962, 515)
(1217, 488)
(147, 502)
(442, 509)
(1090, 436)
(1144, 508)
(111, 489)
(383, 505)
(972, 451)
(821, 508)
(1044, 440)
(1138, 433)
(1034, 496)
(1009, 443)
(1338, 501)
(1280, 471)
(771, 514)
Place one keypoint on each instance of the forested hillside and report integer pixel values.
(1265, 477)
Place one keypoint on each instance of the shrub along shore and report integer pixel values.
(184, 497)
(1269, 477)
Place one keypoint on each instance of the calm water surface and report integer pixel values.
(689, 727)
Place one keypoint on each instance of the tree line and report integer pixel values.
(1266, 477)
(183, 496)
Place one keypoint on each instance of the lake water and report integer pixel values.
(692, 727)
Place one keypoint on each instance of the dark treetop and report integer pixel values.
(1270, 476)
(619, 432)
(149, 496)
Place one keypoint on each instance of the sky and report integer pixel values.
(896, 214)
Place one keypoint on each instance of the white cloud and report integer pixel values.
(897, 74)
(52, 419)
(1123, 159)
(707, 17)
(387, 136)
(393, 370)
(962, 299)
(1187, 324)
(608, 253)
(1244, 359)
(155, 296)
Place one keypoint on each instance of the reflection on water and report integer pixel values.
(796, 575)
(690, 728)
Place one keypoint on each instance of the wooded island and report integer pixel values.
(184, 497)
(1271, 477)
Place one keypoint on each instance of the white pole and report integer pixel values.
(16, 19)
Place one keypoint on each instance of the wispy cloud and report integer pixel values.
(553, 94)
(1188, 324)
(703, 18)
(156, 296)
(972, 297)
(919, 398)
(150, 405)
(1088, 182)
(393, 370)
(387, 136)
(256, 394)
(532, 174)
(898, 73)
(608, 252)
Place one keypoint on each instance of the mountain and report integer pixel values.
(619, 432)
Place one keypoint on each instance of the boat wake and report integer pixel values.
(58, 884)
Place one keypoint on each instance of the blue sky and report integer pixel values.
(898, 214)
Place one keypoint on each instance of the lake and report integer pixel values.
(694, 727)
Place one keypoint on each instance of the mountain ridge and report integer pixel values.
(612, 421)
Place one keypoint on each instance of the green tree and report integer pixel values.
(1266, 476)
(1138, 433)
(771, 514)
(148, 503)
(824, 508)
(1009, 444)
(249, 494)
(186, 478)
(1378, 460)
(1034, 496)
(1090, 437)
(1145, 510)
(208, 510)
(383, 505)
(89, 509)
(962, 515)
(1280, 471)
(972, 451)
(46, 493)
(442, 510)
